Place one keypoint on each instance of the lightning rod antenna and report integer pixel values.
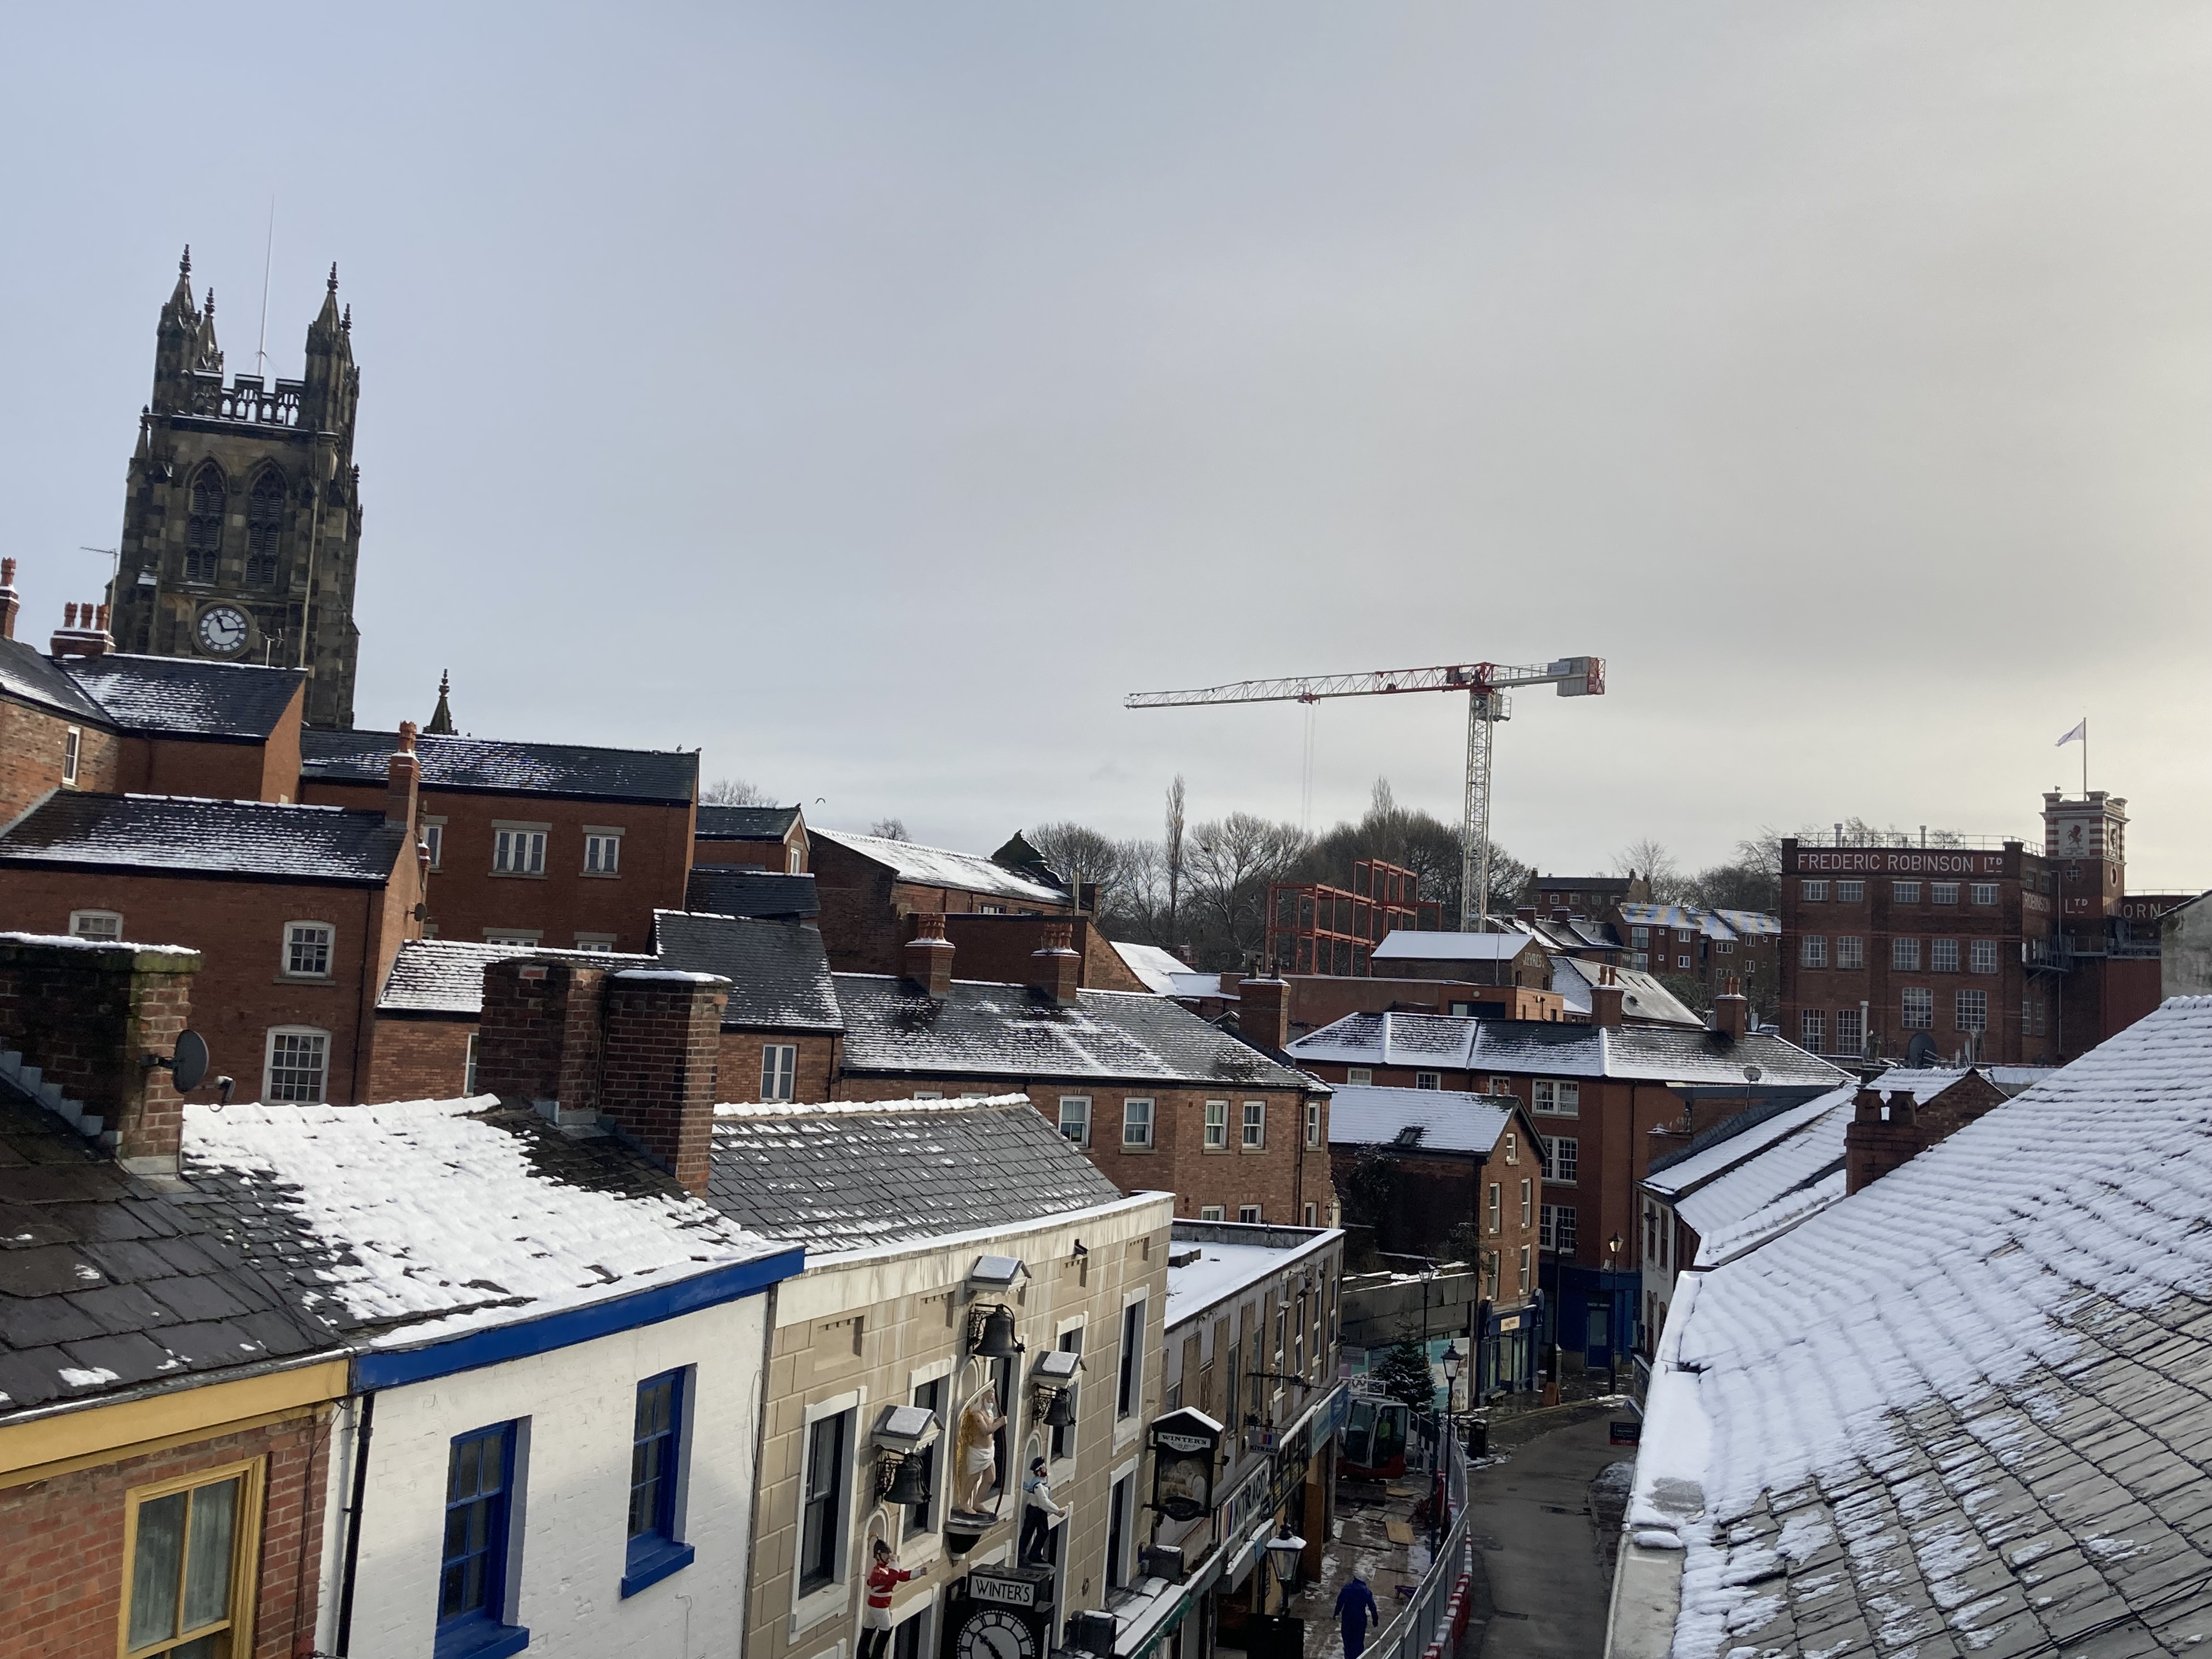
(268, 256)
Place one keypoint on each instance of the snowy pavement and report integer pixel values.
(1541, 1549)
(1362, 1543)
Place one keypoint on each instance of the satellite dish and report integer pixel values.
(189, 1064)
(1751, 1074)
(1920, 1053)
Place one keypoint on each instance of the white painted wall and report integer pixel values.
(573, 1472)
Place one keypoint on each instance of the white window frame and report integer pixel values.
(1639, 936)
(1254, 1127)
(525, 936)
(1428, 1080)
(1853, 1045)
(1313, 1124)
(468, 1068)
(1681, 962)
(1942, 892)
(1360, 1076)
(1813, 951)
(1553, 1098)
(1982, 892)
(1851, 951)
(269, 1043)
(1082, 1120)
(1813, 1028)
(1904, 892)
(1905, 1002)
(79, 918)
(72, 754)
(1982, 956)
(602, 851)
(1905, 955)
(1212, 1212)
(1553, 1164)
(1130, 1121)
(1216, 1121)
(779, 1071)
(1813, 892)
(1939, 952)
(792, 858)
(601, 942)
(518, 848)
(1528, 1203)
(1979, 1000)
(1723, 947)
(1851, 892)
(433, 837)
(1248, 1215)
(329, 949)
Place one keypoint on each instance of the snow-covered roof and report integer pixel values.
(1663, 1054)
(1224, 1269)
(1199, 985)
(1156, 970)
(188, 697)
(1963, 1410)
(1643, 997)
(1443, 1120)
(1751, 924)
(428, 1218)
(1409, 945)
(1737, 1141)
(938, 867)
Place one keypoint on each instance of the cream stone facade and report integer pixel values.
(860, 1332)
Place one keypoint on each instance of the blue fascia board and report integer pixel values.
(521, 1338)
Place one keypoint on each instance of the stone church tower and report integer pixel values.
(242, 523)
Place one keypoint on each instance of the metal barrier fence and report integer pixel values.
(1434, 1620)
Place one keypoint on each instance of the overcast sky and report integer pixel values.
(873, 395)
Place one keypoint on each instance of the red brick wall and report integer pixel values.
(206, 766)
(863, 911)
(89, 1019)
(31, 742)
(1317, 1001)
(739, 1065)
(542, 1034)
(421, 1057)
(466, 898)
(61, 1576)
(998, 948)
(238, 927)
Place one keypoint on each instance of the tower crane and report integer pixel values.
(1485, 684)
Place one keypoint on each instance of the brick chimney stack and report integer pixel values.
(1608, 999)
(1055, 966)
(403, 776)
(1732, 1010)
(929, 954)
(92, 1019)
(11, 602)
(1263, 1012)
(1883, 1134)
(658, 1074)
(83, 632)
(539, 1036)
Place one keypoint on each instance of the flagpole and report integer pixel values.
(2085, 757)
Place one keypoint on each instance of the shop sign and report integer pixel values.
(1010, 1587)
(1511, 1322)
(1186, 1445)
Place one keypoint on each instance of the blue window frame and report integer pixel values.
(655, 1464)
(472, 1573)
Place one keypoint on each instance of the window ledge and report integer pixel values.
(479, 1638)
(1127, 1147)
(517, 875)
(600, 875)
(649, 1567)
(305, 979)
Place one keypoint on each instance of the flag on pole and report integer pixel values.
(2078, 734)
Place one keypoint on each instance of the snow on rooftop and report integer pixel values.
(1936, 1407)
(1222, 1270)
(1155, 968)
(940, 866)
(433, 1214)
(1409, 945)
(863, 1108)
(73, 942)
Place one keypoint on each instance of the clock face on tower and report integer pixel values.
(991, 1634)
(221, 630)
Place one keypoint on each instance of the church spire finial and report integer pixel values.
(210, 306)
(441, 720)
(334, 276)
(184, 265)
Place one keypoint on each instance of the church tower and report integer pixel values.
(242, 526)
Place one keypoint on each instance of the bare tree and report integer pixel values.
(735, 792)
(889, 829)
(1172, 851)
(1080, 855)
(1649, 859)
(1233, 864)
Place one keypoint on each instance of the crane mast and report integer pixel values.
(1485, 684)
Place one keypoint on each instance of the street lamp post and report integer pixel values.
(1614, 1247)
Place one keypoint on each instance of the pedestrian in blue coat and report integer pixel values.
(1355, 1608)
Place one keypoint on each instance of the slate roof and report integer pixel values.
(779, 973)
(188, 695)
(382, 1219)
(28, 676)
(850, 1176)
(175, 834)
(732, 891)
(1658, 1054)
(1966, 1410)
(107, 1284)
(746, 822)
(446, 976)
(937, 867)
(1361, 1114)
(1643, 997)
(1157, 969)
(489, 766)
(983, 1030)
(1406, 944)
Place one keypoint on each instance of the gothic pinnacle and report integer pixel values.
(334, 276)
(184, 265)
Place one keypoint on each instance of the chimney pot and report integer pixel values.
(11, 602)
(1055, 966)
(929, 955)
(1263, 1012)
(1608, 1005)
(403, 775)
(1732, 1010)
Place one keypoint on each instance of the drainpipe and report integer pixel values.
(362, 1432)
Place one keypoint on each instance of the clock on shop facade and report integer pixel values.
(1006, 1613)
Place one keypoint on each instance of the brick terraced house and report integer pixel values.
(772, 838)
(870, 886)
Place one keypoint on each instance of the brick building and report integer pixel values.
(1501, 958)
(242, 519)
(752, 837)
(1447, 1168)
(1560, 898)
(1159, 1098)
(870, 885)
(1596, 1092)
(1709, 946)
(532, 843)
(299, 911)
(1314, 928)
